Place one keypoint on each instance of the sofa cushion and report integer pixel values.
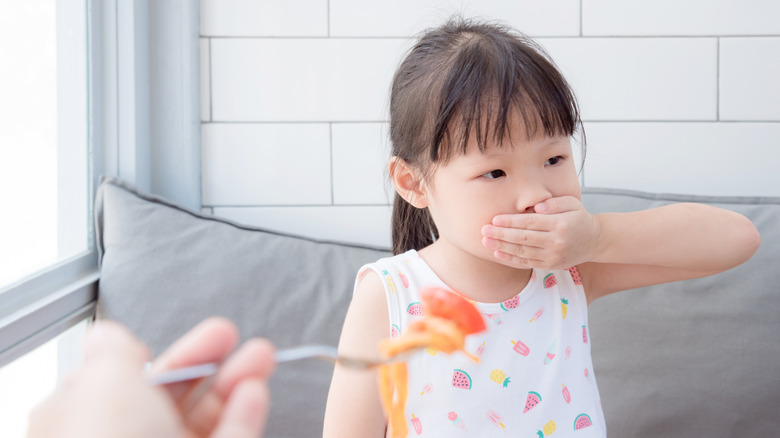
(694, 358)
(687, 359)
(164, 268)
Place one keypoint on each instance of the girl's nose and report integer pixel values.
(530, 195)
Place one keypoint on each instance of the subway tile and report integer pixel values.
(266, 18)
(367, 225)
(749, 72)
(360, 155)
(205, 88)
(691, 158)
(680, 18)
(640, 78)
(408, 17)
(265, 164)
(302, 79)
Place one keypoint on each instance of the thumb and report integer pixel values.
(557, 205)
(112, 341)
(245, 412)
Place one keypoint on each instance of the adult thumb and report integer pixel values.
(113, 341)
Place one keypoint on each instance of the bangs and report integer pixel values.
(487, 80)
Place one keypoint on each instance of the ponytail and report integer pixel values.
(413, 228)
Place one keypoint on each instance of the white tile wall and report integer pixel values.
(680, 17)
(640, 78)
(266, 18)
(701, 158)
(360, 153)
(373, 18)
(749, 72)
(678, 96)
(266, 164)
(302, 79)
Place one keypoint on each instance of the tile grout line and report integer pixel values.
(717, 79)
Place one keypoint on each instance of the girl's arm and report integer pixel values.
(619, 251)
(354, 408)
(670, 243)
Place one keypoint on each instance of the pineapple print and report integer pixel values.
(500, 377)
(547, 430)
(389, 279)
(564, 307)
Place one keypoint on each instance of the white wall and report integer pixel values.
(678, 96)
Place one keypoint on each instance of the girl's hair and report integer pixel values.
(468, 78)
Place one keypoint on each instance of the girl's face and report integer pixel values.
(470, 189)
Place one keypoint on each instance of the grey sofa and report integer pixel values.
(699, 358)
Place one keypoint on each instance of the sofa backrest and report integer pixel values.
(688, 359)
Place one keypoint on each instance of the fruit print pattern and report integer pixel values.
(532, 401)
(461, 379)
(547, 430)
(499, 377)
(456, 421)
(511, 303)
(575, 275)
(531, 354)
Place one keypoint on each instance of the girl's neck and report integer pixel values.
(477, 278)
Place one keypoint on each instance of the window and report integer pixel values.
(48, 267)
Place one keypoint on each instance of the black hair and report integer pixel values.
(468, 78)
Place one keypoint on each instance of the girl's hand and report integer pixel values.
(560, 234)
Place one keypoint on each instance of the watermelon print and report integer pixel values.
(461, 379)
(511, 303)
(535, 347)
(575, 275)
(582, 421)
(531, 401)
(395, 332)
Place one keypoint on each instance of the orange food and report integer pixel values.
(448, 318)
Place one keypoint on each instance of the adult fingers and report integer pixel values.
(246, 411)
(254, 360)
(209, 341)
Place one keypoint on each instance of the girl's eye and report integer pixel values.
(493, 174)
(554, 160)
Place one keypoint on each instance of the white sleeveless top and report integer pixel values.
(535, 374)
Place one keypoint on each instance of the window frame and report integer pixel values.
(158, 149)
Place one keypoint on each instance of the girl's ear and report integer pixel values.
(407, 183)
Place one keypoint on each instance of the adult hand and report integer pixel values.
(110, 395)
(559, 234)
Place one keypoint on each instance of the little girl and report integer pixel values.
(488, 205)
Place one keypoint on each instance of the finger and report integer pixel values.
(246, 411)
(524, 221)
(254, 360)
(517, 236)
(209, 341)
(560, 204)
(108, 340)
(517, 262)
(521, 251)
